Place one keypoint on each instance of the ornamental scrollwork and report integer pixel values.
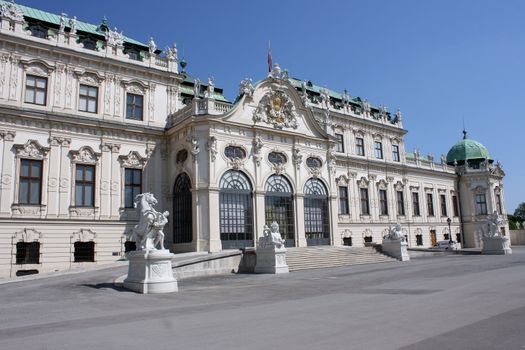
(277, 109)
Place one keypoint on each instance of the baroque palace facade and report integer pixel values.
(89, 118)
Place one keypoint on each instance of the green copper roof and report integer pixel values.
(467, 149)
(52, 18)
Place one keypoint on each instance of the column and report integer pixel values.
(300, 237)
(53, 176)
(64, 197)
(115, 182)
(105, 183)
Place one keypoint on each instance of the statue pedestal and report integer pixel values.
(496, 246)
(150, 272)
(271, 260)
(396, 248)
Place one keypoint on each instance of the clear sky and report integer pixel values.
(439, 61)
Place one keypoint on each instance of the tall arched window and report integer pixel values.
(279, 206)
(235, 210)
(182, 210)
(316, 217)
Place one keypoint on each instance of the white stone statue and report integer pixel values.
(246, 87)
(276, 72)
(152, 46)
(11, 11)
(73, 25)
(196, 88)
(395, 233)
(398, 116)
(345, 98)
(148, 233)
(114, 38)
(62, 24)
(171, 52)
(325, 98)
(271, 237)
(211, 87)
(257, 145)
(365, 106)
(493, 225)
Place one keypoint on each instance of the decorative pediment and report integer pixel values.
(89, 78)
(382, 185)
(479, 189)
(27, 235)
(277, 109)
(84, 155)
(31, 149)
(362, 182)
(132, 160)
(341, 180)
(134, 87)
(37, 67)
(84, 235)
(399, 186)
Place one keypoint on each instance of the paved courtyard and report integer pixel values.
(449, 302)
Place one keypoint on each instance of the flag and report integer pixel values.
(269, 57)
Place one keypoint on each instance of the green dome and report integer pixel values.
(466, 150)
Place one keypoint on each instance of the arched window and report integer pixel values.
(235, 210)
(182, 210)
(316, 217)
(279, 206)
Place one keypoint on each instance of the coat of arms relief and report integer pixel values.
(277, 109)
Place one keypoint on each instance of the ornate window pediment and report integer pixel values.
(362, 182)
(37, 67)
(399, 186)
(132, 160)
(31, 149)
(479, 189)
(277, 109)
(84, 235)
(84, 155)
(382, 185)
(89, 78)
(27, 235)
(342, 180)
(135, 87)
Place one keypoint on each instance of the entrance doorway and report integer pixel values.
(316, 218)
(433, 238)
(182, 210)
(278, 206)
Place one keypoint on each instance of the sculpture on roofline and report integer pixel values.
(148, 233)
(73, 25)
(172, 52)
(211, 87)
(62, 24)
(152, 46)
(196, 88)
(246, 87)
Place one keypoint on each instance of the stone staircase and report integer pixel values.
(328, 256)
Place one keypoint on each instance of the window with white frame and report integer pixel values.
(88, 98)
(36, 90)
(378, 146)
(395, 153)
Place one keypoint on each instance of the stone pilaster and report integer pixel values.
(115, 182)
(7, 172)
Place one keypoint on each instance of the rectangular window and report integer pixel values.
(415, 204)
(84, 251)
(365, 207)
(395, 153)
(481, 204)
(498, 203)
(134, 106)
(30, 191)
(27, 253)
(360, 146)
(88, 99)
(85, 185)
(343, 200)
(132, 185)
(455, 205)
(419, 240)
(340, 147)
(400, 203)
(378, 149)
(36, 90)
(443, 203)
(430, 204)
(383, 205)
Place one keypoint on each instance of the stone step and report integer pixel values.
(327, 256)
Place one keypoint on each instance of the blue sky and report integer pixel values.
(439, 61)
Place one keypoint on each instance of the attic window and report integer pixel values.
(89, 44)
(314, 163)
(309, 83)
(134, 55)
(38, 31)
(234, 152)
(277, 158)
